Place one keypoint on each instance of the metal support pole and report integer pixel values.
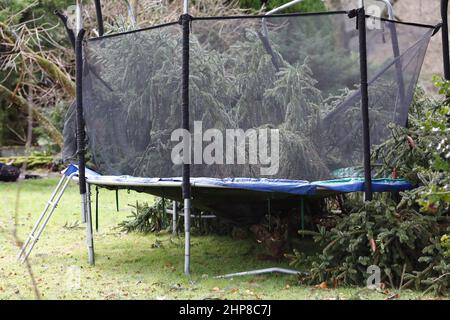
(390, 9)
(89, 231)
(96, 208)
(276, 10)
(398, 63)
(78, 17)
(81, 133)
(164, 213)
(89, 200)
(174, 218)
(98, 12)
(263, 271)
(186, 186)
(117, 200)
(445, 44)
(398, 68)
(131, 14)
(90, 240)
(69, 31)
(185, 6)
(365, 102)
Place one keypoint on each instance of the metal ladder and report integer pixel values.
(43, 219)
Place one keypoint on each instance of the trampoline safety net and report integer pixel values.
(275, 97)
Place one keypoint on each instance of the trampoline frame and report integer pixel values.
(185, 20)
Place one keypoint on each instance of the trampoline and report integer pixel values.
(277, 107)
(250, 196)
(294, 187)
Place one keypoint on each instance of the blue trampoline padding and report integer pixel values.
(297, 187)
(300, 187)
(74, 168)
(357, 185)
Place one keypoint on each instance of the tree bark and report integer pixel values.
(56, 74)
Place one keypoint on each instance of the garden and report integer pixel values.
(339, 242)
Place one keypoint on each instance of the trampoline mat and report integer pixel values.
(241, 200)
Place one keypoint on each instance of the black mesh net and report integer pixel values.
(276, 97)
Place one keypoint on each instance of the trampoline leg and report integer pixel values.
(174, 218)
(302, 214)
(85, 202)
(187, 235)
(96, 209)
(117, 200)
(164, 213)
(83, 211)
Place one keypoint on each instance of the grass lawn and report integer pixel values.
(133, 266)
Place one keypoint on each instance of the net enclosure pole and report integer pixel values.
(99, 15)
(445, 42)
(365, 101)
(186, 187)
(396, 51)
(69, 31)
(174, 218)
(390, 9)
(81, 134)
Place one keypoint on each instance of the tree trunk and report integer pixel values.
(56, 74)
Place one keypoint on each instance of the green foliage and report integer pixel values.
(406, 236)
(376, 234)
(305, 6)
(421, 154)
(32, 162)
(436, 276)
(10, 7)
(146, 218)
(445, 245)
(25, 10)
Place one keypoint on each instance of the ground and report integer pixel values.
(133, 266)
